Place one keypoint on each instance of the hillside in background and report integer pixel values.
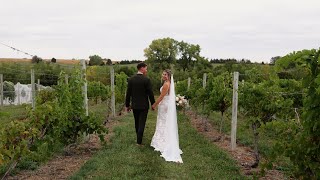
(60, 61)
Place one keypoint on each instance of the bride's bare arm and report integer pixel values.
(164, 91)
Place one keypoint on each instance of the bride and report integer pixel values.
(166, 138)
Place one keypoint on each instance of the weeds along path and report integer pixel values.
(70, 161)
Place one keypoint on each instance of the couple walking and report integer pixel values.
(139, 93)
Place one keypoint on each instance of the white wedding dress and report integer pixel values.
(166, 138)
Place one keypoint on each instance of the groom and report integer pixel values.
(139, 92)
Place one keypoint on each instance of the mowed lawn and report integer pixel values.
(123, 159)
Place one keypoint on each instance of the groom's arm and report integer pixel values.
(150, 92)
(128, 95)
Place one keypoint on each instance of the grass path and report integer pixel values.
(9, 113)
(122, 159)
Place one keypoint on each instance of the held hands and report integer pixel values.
(153, 107)
(128, 108)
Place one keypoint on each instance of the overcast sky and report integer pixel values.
(122, 29)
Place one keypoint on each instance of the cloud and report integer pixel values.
(256, 30)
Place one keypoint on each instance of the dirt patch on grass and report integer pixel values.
(243, 155)
(73, 157)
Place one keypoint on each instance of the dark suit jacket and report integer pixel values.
(139, 92)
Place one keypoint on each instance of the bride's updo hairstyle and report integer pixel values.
(168, 71)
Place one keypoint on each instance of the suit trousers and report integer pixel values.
(140, 117)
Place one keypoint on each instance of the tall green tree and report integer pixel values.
(293, 65)
(161, 53)
(109, 62)
(36, 59)
(202, 65)
(189, 53)
(95, 60)
(273, 60)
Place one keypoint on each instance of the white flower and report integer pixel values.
(181, 101)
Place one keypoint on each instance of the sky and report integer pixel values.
(122, 29)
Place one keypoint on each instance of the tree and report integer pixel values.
(293, 64)
(36, 59)
(201, 65)
(109, 62)
(53, 60)
(129, 71)
(274, 59)
(189, 53)
(161, 53)
(95, 60)
(226, 61)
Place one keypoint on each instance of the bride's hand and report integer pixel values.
(153, 106)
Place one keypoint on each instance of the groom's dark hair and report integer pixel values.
(140, 65)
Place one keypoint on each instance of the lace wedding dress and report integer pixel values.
(166, 138)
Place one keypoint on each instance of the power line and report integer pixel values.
(15, 49)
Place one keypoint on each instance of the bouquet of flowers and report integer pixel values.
(181, 102)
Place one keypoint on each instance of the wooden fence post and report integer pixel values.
(38, 85)
(113, 104)
(85, 87)
(234, 111)
(33, 90)
(204, 82)
(19, 93)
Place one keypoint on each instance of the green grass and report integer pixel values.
(122, 159)
(100, 109)
(12, 112)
